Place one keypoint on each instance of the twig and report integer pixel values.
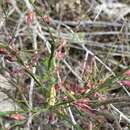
(98, 59)
(121, 114)
(32, 81)
(70, 68)
(69, 109)
(13, 2)
(87, 23)
(34, 27)
(112, 100)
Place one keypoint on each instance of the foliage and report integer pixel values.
(69, 63)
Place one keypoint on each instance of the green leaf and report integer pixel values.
(32, 1)
(2, 114)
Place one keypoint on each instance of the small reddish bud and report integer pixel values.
(59, 55)
(126, 82)
(17, 117)
(47, 19)
(3, 51)
(127, 72)
(65, 98)
(52, 119)
(83, 104)
(30, 17)
(90, 84)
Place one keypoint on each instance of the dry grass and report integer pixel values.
(66, 60)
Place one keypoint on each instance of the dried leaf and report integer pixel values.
(52, 99)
